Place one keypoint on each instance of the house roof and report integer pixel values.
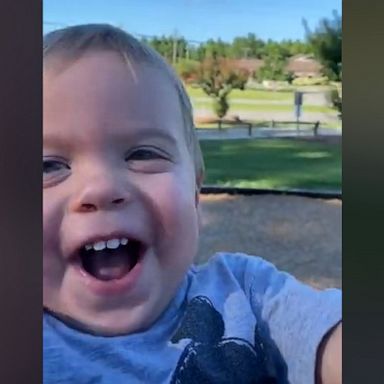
(250, 65)
(303, 64)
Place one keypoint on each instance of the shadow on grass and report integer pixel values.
(276, 163)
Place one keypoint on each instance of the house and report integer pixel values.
(249, 65)
(304, 66)
(300, 65)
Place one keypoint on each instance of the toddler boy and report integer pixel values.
(122, 170)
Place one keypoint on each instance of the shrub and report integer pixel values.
(186, 69)
(334, 98)
(302, 81)
(217, 78)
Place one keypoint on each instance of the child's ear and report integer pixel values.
(197, 197)
(199, 183)
(198, 208)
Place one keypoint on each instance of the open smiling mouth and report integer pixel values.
(112, 259)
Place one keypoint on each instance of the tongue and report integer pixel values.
(109, 265)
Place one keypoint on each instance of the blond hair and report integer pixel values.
(71, 43)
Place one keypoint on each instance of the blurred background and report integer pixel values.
(265, 81)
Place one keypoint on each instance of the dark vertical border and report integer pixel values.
(20, 193)
(363, 191)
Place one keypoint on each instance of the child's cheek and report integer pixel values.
(173, 203)
(52, 220)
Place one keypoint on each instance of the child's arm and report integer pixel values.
(329, 358)
(301, 321)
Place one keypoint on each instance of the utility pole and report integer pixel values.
(174, 50)
(245, 52)
(187, 51)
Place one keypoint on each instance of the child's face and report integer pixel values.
(117, 168)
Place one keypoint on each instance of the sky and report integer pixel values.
(196, 20)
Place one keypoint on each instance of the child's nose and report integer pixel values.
(103, 193)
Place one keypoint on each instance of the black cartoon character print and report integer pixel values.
(211, 359)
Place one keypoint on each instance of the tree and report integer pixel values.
(274, 68)
(334, 98)
(295, 47)
(216, 47)
(218, 78)
(175, 47)
(275, 50)
(246, 47)
(186, 69)
(163, 45)
(326, 41)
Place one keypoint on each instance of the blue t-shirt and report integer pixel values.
(236, 319)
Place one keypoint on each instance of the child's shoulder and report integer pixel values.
(249, 271)
(261, 283)
(285, 315)
(232, 261)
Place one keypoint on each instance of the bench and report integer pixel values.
(232, 120)
(237, 122)
(314, 124)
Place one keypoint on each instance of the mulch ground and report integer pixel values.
(298, 234)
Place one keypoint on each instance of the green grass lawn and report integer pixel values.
(266, 107)
(246, 94)
(272, 163)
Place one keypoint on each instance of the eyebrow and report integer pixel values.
(140, 133)
(152, 132)
(56, 141)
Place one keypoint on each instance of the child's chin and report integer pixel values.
(109, 330)
(106, 327)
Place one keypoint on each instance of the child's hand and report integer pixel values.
(329, 358)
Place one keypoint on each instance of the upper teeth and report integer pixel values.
(110, 244)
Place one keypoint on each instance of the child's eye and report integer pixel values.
(143, 154)
(148, 160)
(53, 165)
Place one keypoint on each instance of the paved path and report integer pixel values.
(246, 101)
(242, 133)
(317, 99)
(273, 115)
